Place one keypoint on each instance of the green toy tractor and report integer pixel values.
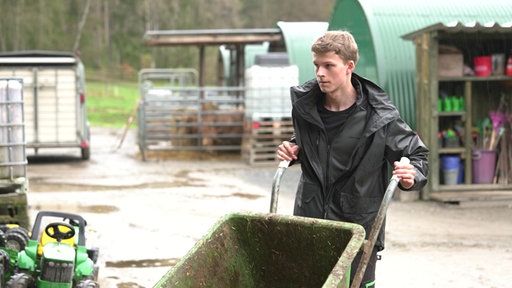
(54, 256)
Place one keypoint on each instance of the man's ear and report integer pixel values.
(351, 66)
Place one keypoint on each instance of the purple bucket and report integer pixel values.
(484, 164)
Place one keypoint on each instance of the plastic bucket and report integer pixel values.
(460, 179)
(508, 69)
(451, 176)
(450, 162)
(450, 165)
(484, 163)
(482, 65)
(498, 64)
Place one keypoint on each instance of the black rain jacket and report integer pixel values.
(346, 180)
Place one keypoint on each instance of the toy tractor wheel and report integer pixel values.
(95, 272)
(24, 232)
(2, 238)
(87, 284)
(15, 240)
(5, 261)
(93, 253)
(21, 280)
(2, 274)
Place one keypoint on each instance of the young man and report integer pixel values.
(347, 131)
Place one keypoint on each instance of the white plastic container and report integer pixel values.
(268, 90)
(12, 148)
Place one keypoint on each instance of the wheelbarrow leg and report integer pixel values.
(276, 183)
(374, 232)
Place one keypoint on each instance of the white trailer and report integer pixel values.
(54, 93)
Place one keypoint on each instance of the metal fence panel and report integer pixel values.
(191, 118)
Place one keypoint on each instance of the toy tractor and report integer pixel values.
(54, 256)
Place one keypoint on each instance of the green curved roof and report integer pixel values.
(298, 37)
(250, 52)
(388, 59)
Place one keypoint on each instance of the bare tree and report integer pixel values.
(81, 25)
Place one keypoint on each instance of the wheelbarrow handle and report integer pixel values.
(377, 224)
(276, 183)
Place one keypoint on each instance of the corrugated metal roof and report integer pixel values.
(298, 38)
(457, 27)
(389, 59)
(30, 57)
(38, 53)
(211, 36)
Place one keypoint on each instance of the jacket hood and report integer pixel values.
(304, 98)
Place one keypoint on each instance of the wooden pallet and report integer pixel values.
(262, 137)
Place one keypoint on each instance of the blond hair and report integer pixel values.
(342, 43)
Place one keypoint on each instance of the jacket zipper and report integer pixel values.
(326, 180)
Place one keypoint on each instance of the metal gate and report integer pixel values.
(176, 114)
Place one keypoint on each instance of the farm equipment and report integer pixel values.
(53, 255)
(55, 113)
(271, 250)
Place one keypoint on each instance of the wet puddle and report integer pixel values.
(143, 263)
(99, 209)
(237, 194)
(129, 285)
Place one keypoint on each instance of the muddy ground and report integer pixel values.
(144, 216)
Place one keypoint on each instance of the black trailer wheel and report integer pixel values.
(86, 153)
(21, 280)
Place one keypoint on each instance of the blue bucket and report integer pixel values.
(450, 162)
(460, 179)
(450, 167)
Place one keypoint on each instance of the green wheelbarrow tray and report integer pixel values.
(269, 250)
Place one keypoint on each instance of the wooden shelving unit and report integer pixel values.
(480, 94)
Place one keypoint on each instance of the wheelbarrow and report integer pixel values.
(368, 245)
(271, 250)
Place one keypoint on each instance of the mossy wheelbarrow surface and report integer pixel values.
(269, 250)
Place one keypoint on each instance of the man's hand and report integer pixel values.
(406, 174)
(287, 151)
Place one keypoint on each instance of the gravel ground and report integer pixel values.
(145, 216)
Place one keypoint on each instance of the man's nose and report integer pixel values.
(320, 72)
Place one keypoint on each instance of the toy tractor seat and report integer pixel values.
(56, 232)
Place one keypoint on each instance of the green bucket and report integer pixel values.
(269, 250)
